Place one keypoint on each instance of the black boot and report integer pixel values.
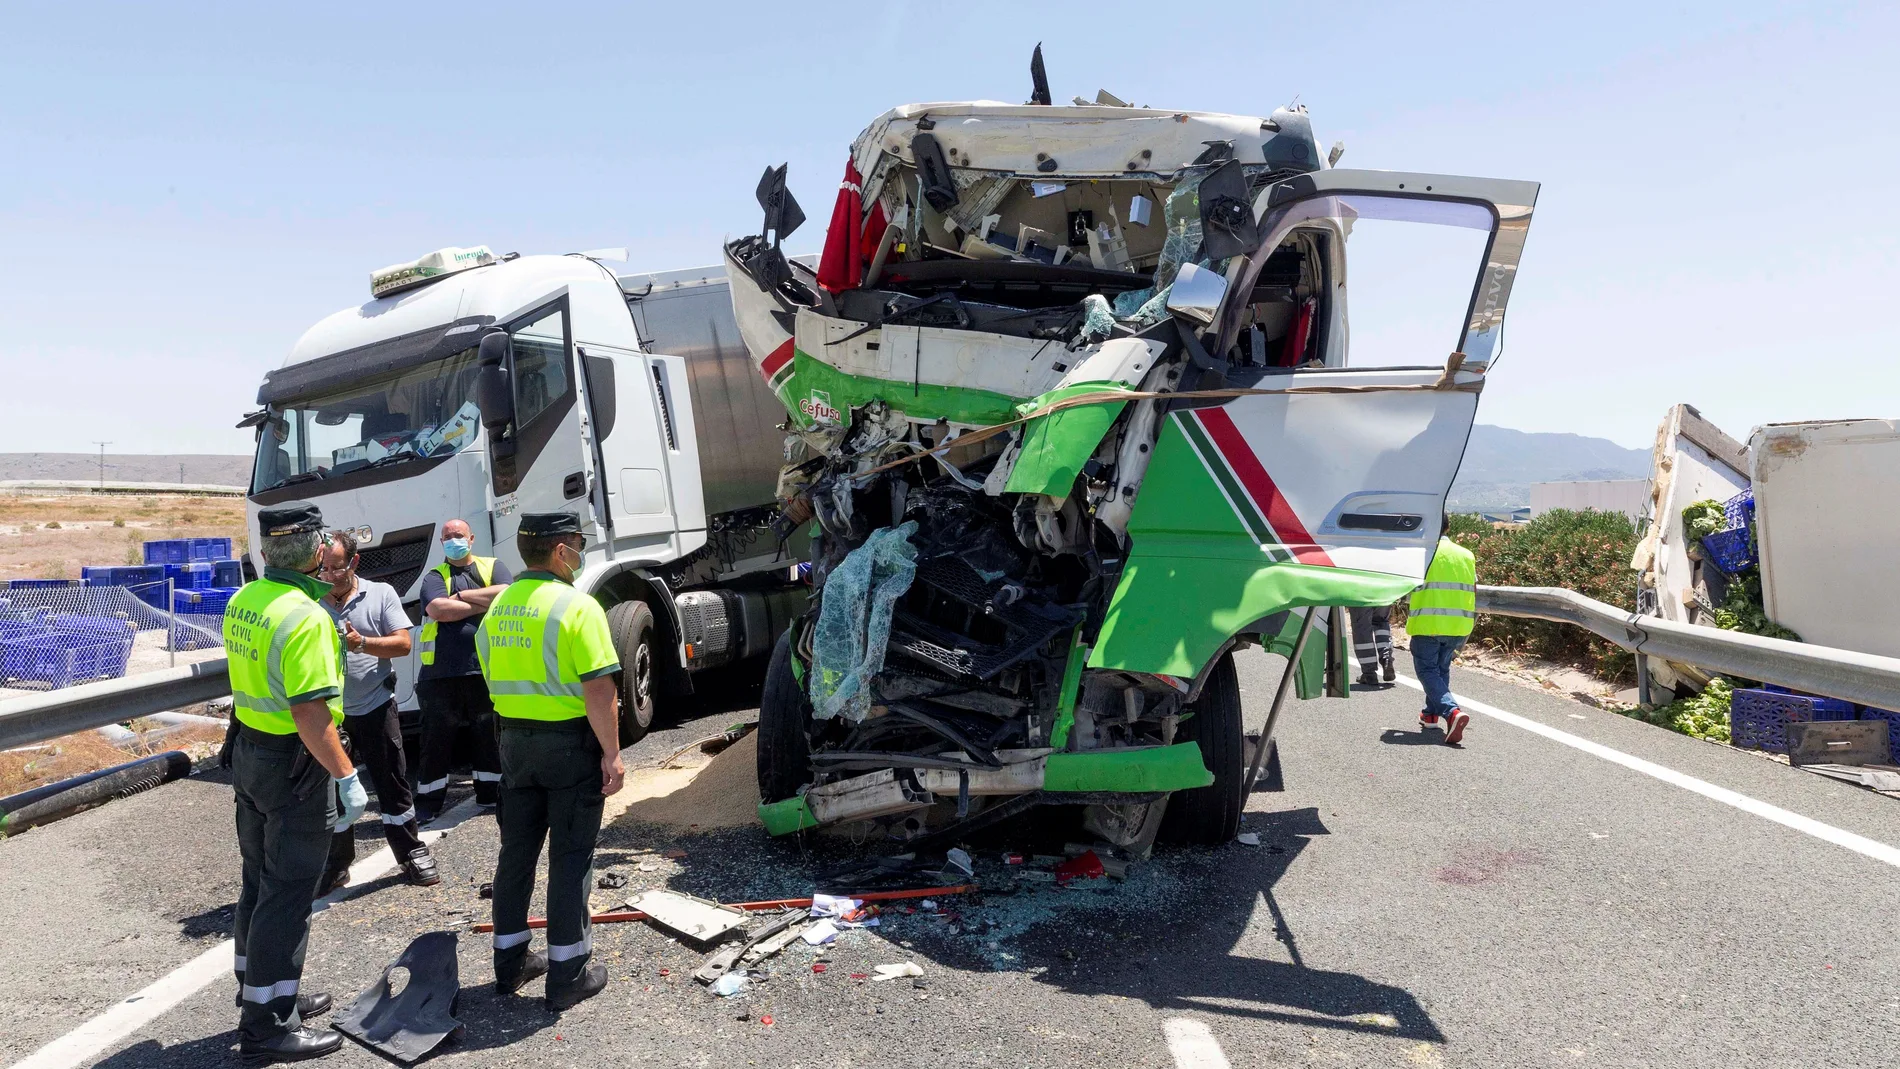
(292, 1046)
(1368, 679)
(532, 966)
(1386, 669)
(308, 1006)
(593, 980)
(419, 867)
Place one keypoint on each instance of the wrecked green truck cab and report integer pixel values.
(1073, 416)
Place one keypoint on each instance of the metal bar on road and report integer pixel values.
(1862, 678)
(61, 712)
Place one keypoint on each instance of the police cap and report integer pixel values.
(288, 519)
(549, 524)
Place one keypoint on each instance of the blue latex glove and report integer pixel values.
(352, 798)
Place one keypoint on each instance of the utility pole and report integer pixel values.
(102, 462)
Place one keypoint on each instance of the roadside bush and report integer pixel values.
(1588, 552)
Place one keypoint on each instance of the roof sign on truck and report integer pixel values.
(442, 262)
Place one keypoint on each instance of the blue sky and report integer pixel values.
(186, 189)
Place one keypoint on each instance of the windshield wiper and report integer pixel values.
(301, 477)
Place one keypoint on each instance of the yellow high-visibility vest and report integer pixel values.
(484, 571)
(540, 641)
(283, 650)
(1448, 602)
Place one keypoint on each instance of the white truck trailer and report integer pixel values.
(481, 387)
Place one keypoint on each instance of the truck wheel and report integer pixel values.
(631, 624)
(1209, 815)
(784, 728)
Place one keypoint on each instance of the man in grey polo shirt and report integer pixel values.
(374, 630)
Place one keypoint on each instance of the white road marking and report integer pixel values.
(79, 1046)
(1193, 1044)
(1859, 844)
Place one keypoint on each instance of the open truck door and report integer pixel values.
(531, 405)
(1315, 472)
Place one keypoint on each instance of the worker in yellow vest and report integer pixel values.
(548, 657)
(449, 687)
(291, 776)
(1439, 618)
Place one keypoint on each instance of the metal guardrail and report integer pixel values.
(61, 712)
(1862, 678)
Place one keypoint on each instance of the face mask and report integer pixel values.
(564, 553)
(455, 548)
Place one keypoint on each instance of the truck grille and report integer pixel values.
(398, 560)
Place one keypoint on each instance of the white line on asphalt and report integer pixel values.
(1860, 844)
(1193, 1044)
(79, 1046)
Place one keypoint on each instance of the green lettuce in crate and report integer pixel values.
(1704, 518)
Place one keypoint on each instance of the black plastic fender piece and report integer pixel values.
(415, 1020)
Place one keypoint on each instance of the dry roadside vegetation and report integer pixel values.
(52, 537)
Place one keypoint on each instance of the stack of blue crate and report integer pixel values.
(63, 649)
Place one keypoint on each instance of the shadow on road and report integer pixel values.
(1397, 737)
(1188, 972)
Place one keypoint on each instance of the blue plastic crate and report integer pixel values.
(1868, 712)
(209, 549)
(207, 602)
(1759, 719)
(1739, 511)
(195, 575)
(111, 626)
(1732, 551)
(62, 659)
(122, 574)
(43, 584)
(168, 551)
(227, 573)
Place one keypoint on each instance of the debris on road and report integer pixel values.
(610, 881)
(820, 933)
(896, 971)
(722, 962)
(695, 918)
(733, 983)
(1248, 838)
(408, 1024)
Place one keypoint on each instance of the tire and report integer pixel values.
(631, 624)
(784, 728)
(1210, 815)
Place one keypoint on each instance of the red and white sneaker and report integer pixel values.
(1455, 722)
(1427, 721)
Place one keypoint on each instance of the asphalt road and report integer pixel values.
(1516, 902)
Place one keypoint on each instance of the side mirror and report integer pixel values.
(495, 393)
(1227, 225)
(1197, 294)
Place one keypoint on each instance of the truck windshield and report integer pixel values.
(426, 411)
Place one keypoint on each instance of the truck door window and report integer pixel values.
(1364, 281)
(1407, 282)
(541, 366)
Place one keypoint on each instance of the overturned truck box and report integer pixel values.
(1074, 415)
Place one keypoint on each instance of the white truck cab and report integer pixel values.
(495, 386)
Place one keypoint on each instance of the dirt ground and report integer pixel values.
(52, 537)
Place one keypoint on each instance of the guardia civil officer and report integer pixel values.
(548, 657)
(292, 778)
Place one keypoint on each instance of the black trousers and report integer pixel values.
(550, 791)
(1372, 638)
(285, 809)
(376, 746)
(450, 705)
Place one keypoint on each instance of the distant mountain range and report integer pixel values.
(1501, 464)
(130, 467)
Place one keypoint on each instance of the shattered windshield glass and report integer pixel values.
(426, 411)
